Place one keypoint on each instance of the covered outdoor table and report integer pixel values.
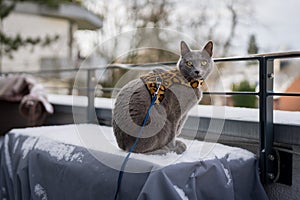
(83, 162)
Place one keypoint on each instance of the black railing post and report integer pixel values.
(267, 157)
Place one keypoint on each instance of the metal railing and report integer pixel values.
(267, 158)
(267, 154)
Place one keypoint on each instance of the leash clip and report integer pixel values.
(158, 84)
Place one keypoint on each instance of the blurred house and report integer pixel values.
(38, 20)
(287, 80)
(287, 102)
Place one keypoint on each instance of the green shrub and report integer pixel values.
(248, 101)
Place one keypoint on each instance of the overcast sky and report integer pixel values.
(275, 23)
(278, 27)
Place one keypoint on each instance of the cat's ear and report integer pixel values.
(184, 48)
(209, 48)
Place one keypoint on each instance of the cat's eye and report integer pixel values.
(203, 62)
(189, 63)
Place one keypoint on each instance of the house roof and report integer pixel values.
(69, 11)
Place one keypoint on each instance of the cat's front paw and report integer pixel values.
(180, 147)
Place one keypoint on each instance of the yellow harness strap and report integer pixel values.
(168, 78)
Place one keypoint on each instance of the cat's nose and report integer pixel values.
(197, 72)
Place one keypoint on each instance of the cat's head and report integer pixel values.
(195, 64)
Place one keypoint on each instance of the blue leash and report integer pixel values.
(158, 84)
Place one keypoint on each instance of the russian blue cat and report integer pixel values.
(179, 92)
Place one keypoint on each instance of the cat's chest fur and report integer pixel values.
(179, 100)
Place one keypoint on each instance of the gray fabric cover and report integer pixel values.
(39, 175)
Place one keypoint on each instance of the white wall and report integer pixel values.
(28, 58)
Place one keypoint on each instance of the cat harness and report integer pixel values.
(168, 78)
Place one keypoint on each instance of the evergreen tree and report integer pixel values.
(252, 45)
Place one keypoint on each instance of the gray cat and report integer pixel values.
(178, 93)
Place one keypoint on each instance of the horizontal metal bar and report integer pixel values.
(206, 93)
(287, 150)
(117, 89)
(43, 71)
(157, 64)
(231, 59)
(283, 94)
(280, 55)
(85, 88)
(231, 93)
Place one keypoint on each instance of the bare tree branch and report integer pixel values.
(234, 22)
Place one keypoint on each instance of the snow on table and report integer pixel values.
(101, 138)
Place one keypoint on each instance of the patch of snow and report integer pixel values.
(16, 145)
(180, 192)
(40, 192)
(41, 139)
(77, 157)
(192, 175)
(187, 186)
(243, 114)
(28, 145)
(287, 117)
(225, 112)
(104, 103)
(56, 149)
(66, 133)
(220, 112)
(239, 154)
(101, 138)
(7, 157)
(227, 174)
(70, 100)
